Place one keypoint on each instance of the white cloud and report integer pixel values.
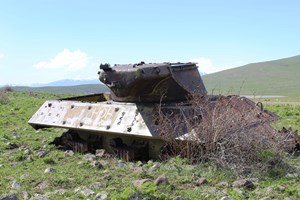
(1, 55)
(206, 65)
(66, 59)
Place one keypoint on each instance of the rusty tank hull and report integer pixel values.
(124, 122)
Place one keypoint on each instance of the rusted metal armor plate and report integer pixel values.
(142, 82)
(100, 117)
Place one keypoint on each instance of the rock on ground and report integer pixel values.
(16, 185)
(87, 192)
(225, 198)
(69, 153)
(101, 195)
(13, 196)
(100, 153)
(243, 183)
(89, 157)
(140, 182)
(162, 179)
(48, 170)
(201, 181)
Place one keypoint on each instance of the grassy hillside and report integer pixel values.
(277, 78)
(80, 89)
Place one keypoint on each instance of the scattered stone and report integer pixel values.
(243, 183)
(44, 141)
(42, 186)
(212, 190)
(265, 198)
(138, 196)
(16, 136)
(26, 196)
(223, 184)
(121, 164)
(101, 195)
(281, 188)
(89, 157)
(201, 181)
(87, 192)
(287, 198)
(96, 185)
(140, 182)
(42, 154)
(77, 190)
(69, 153)
(27, 152)
(225, 198)
(16, 185)
(29, 158)
(178, 198)
(60, 191)
(1, 165)
(22, 148)
(154, 168)
(292, 175)
(100, 153)
(11, 145)
(10, 178)
(15, 163)
(80, 163)
(12, 196)
(48, 170)
(258, 193)
(138, 170)
(269, 190)
(162, 179)
(97, 165)
(39, 197)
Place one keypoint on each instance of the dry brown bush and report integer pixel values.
(3, 97)
(7, 88)
(231, 132)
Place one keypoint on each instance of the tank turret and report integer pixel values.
(142, 82)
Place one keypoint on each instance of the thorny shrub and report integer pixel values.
(3, 97)
(232, 132)
(7, 88)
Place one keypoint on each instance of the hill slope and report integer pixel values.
(68, 82)
(79, 89)
(278, 77)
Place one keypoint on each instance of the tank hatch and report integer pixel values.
(143, 82)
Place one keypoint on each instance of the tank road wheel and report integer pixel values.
(72, 140)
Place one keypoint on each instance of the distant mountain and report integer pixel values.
(67, 82)
(79, 89)
(278, 77)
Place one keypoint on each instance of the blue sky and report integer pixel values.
(47, 40)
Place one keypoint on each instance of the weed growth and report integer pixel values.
(227, 131)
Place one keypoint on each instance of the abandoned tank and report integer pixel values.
(124, 122)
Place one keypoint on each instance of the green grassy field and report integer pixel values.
(22, 169)
(276, 78)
